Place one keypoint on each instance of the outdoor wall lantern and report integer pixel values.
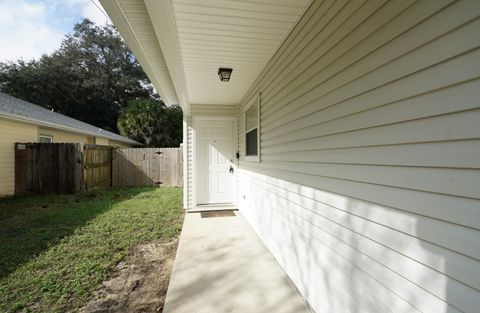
(224, 74)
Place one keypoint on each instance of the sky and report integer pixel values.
(30, 28)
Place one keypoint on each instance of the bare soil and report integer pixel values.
(139, 284)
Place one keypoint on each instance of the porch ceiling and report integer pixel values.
(242, 35)
(182, 43)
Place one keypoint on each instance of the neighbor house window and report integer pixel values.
(45, 139)
(252, 131)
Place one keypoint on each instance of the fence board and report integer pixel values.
(97, 165)
(147, 167)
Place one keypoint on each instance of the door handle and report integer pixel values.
(231, 169)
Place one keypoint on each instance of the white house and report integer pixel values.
(348, 135)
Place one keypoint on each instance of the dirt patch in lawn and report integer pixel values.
(139, 284)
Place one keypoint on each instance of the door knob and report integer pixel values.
(231, 169)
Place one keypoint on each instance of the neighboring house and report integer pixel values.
(357, 129)
(22, 121)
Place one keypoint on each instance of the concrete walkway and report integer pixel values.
(223, 267)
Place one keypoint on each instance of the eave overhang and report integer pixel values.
(153, 44)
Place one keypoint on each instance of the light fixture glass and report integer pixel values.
(224, 74)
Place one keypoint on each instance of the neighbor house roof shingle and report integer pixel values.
(19, 109)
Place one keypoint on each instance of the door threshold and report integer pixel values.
(214, 207)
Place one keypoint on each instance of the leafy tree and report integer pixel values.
(91, 77)
(152, 123)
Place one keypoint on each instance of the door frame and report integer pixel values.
(196, 121)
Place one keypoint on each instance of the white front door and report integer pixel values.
(214, 162)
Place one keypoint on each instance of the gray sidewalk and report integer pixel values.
(223, 267)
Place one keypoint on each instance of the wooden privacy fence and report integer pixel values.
(147, 167)
(48, 168)
(70, 167)
(97, 165)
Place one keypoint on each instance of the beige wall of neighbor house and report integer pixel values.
(367, 192)
(14, 131)
(118, 144)
(101, 141)
(11, 132)
(62, 136)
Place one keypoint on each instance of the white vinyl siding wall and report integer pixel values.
(368, 188)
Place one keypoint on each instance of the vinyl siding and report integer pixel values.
(61, 136)
(213, 110)
(101, 141)
(11, 132)
(367, 192)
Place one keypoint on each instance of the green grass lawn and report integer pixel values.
(55, 250)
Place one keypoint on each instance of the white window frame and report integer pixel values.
(252, 158)
(45, 136)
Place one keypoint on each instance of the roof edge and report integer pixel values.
(162, 18)
(166, 90)
(21, 118)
